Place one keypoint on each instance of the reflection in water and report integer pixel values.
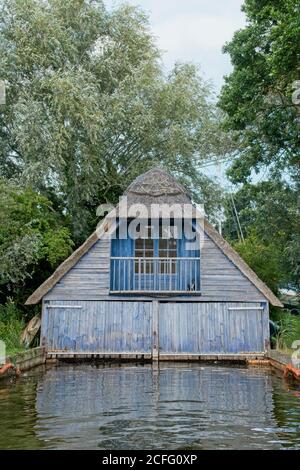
(179, 406)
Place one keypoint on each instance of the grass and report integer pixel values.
(11, 326)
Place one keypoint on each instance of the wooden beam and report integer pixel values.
(155, 335)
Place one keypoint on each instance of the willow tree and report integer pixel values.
(88, 106)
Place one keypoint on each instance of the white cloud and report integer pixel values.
(197, 38)
(185, 32)
(194, 30)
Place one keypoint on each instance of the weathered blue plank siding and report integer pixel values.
(207, 325)
(108, 327)
(88, 279)
(209, 328)
(122, 327)
(220, 279)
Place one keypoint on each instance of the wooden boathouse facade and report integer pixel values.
(154, 296)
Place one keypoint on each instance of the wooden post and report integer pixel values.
(155, 338)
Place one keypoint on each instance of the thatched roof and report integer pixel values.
(155, 186)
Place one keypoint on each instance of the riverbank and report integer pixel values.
(31, 358)
(24, 361)
(283, 362)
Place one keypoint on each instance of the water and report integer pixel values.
(179, 406)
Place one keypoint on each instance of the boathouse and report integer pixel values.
(165, 287)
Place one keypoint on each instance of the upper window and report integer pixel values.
(167, 251)
(144, 248)
(155, 254)
(167, 248)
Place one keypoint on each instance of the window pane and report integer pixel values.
(149, 244)
(139, 253)
(163, 244)
(163, 253)
(173, 244)
(139, 244)
(149, 253)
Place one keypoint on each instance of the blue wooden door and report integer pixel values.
(97, 327)
(211, 327)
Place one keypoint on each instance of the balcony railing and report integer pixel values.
(155, 275)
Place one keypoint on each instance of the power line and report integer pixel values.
(216, 162)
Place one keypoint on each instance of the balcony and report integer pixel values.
(155, 275)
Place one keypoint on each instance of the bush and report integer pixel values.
(11, 326)
(289, 328)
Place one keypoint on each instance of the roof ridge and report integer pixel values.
(156, 182)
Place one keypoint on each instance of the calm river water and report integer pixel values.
(179, 406)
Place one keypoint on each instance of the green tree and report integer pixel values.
(264, 258)
(88, 107)
(33, 240)
(257, 95)
(269, 218)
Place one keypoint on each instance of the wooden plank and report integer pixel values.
(98, 354)
(216, 327)
(148, 291)
(111, 327)
(246, 308)
(88, 277)
(221, 279)
(155, 330)
(63, 306)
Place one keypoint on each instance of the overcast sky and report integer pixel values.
(193, 30)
